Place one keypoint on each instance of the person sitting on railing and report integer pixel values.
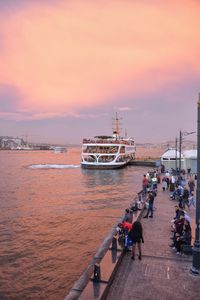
(128, 216)
(178, 212)
(134, 207)
(185, 237)
(178, 193)
(175, 194)
(177, 226)
(123, 230)
(126, 226)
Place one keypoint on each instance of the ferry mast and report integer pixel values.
(116, 125)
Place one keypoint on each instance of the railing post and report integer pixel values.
(97, 273)
(114, 242)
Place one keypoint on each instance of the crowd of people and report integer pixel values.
(130, 233)
(181, 189)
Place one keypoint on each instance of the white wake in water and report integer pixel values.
(47, 166)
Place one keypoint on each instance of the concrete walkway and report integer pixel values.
(161, 274)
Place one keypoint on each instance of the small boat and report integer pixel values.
(60, 149)
(24, 147)
(108, 152)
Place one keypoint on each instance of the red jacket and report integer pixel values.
(126, 225)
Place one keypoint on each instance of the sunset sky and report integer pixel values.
(66, 67)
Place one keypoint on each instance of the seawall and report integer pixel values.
(98, 275)
(143, 163)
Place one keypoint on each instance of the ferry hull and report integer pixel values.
(103, 167)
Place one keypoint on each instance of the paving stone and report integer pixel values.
(161, 275)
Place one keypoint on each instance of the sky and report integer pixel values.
(67, 66)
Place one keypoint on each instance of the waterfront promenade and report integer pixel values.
(161, 274)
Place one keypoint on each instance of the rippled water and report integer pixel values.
(53, 217)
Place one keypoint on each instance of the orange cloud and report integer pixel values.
(81, 54)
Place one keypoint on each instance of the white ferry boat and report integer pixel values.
(108, 152)
(60, 149)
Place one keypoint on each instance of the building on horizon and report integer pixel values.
(8, 142)
(170, 159)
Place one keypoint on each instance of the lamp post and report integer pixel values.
(196, 248)
(180, 146)
(176, 155)
(181, 135)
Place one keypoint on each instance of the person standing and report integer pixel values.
(188, 171)
(172, 184)
(144, 184)
(136, 235)
(154, 183)
(150, 207)
(191, 185)
(192, 200)
(186, 197)
(164, 184)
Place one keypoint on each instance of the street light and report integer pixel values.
(176, 167)
(196, 248)
(181, 135)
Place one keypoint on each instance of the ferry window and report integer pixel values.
(122, 149)
(113, 149)
(120, 159)
(85, 148)
(90, 158)
(106, 158)
(92, 149)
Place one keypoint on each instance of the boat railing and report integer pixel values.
(88, 141)
(100, 151)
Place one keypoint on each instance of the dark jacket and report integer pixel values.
(186, 236)
(135, 236)
(179, 225)
(151, 198)
(185, 194)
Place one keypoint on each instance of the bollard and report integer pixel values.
(97, 273)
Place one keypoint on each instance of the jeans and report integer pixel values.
(150, 210)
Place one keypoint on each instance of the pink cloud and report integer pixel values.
(77, 55)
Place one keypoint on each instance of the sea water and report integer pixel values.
(53, 217)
